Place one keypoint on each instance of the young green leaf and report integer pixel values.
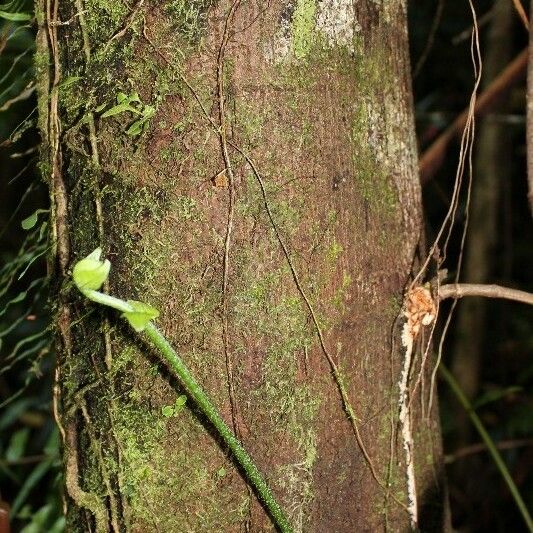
(140, 316)
(15, 17)
(120, 108)
(173, 410)
(179, 403)
(167, 411)
(135, 128)
(29, 222)
(148, 112)
(91, 272)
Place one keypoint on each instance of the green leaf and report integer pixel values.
(38, 520)
(180, 401)
(120, 108)
(29, 222)
(173, 410)
(17, 444)
(140, 316)
(33, 259)
(42, 230)
(135, 128)
(179, 404)
(29, 483)
(70, 80)
(58, 526)
(495, 395)
(51, 447)
(148, 112)
(91, 272)
(15, 17)
(167, 411)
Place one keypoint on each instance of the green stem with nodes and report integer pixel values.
(89, 274)
(209, 410)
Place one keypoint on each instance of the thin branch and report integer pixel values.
(482, 447)
(431, 160)
(529, 132)
(430, 39)
(521, 13)
(458, 290)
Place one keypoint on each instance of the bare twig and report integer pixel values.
(529, 142)
(465, 158)
(521, 13)
(430, 40)
(231, 213)
(458, 290)
(482, 447)
(23, 95)
(432, 158)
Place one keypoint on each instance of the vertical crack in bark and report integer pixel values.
(85, 500)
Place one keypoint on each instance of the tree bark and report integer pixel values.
(270, 208)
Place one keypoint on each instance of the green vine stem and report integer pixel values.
(489, 443)
(88, 275)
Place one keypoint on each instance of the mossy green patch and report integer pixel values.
(104, 15)
(303, 28)
(190, 18)
(281, 326)
(370, 172)
(151, 477)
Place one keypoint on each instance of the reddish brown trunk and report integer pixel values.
(271, 210)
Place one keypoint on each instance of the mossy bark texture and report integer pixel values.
(270, 209)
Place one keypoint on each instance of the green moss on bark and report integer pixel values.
(311, 124)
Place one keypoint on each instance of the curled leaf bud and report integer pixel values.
(91, 273)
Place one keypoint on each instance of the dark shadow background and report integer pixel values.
(489, 346)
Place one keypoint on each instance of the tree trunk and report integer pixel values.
(270, 208)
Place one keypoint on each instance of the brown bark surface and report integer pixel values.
(271, 210)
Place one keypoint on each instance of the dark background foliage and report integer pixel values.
(443, 80)
(480, 500)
